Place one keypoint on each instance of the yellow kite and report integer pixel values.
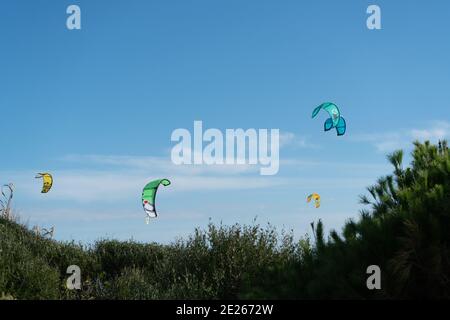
(47, 179)
(316, 198)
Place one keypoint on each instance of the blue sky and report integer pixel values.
(97, 106)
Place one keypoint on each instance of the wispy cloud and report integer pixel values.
(384, 142)
(292, 140)
(142, 162)
(110, 179)
(156, 164)
(121, 183)
(82, 214)
(304, 163)
(441, 130)
(107, 187)
(390, 141)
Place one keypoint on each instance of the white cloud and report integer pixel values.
(158, 164)
(124, 181)
(391, 141)
(115, 185)
(289, 139)
(337, 165)
(82, 214)
(142, 162)
(439, 131)
(389, 145)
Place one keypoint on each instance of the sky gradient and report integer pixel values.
(96, 107)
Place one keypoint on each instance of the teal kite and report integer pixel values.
(335, 120)
(149, 196)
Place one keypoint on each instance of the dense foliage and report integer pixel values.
(405, 231)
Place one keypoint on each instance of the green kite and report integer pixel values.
(149, 196)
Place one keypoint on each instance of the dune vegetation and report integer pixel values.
(405, 230)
